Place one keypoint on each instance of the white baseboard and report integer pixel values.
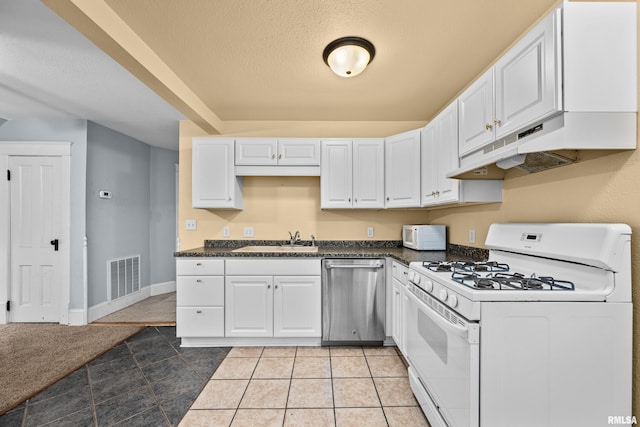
(163, 288)
(103, 309)
(77, 317)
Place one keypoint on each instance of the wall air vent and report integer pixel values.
(123, 277)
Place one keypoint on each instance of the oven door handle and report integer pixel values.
(433, 315)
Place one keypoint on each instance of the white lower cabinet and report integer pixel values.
(282, 299)
(297, 306)
(200, 298)
(272, 306)
(399, 281)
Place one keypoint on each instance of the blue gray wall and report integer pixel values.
(139, 219)
(67, 130)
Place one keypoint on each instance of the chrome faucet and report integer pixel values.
(295, 238)
(313, 240)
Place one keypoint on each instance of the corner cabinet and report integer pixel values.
(402, 170)
(352, 174)
(440, 155)
(214, 183)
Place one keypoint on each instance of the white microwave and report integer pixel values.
(425, 237)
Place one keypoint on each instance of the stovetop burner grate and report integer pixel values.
(508, 281)
(452, 266)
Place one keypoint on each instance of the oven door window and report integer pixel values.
(446, 362)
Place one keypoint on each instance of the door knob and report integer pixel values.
(55, 243)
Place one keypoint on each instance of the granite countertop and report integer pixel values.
(339, 249)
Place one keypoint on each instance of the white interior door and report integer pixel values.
(36, 229)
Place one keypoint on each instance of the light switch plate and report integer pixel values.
(191, 224)
(472, 235)
(248, 232)
(369, 231)
(226, 232)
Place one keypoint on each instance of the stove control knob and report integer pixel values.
(417, 279)
(428, 285)
(443, 294)
(452, 301)
(412, 275)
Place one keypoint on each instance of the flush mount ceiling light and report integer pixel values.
(348, 56)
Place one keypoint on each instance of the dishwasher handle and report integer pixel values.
(353, 266)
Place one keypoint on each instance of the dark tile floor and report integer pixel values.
(146, 381)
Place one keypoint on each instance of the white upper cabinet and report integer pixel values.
(402, 170)
(527, 78)
(277, 152)
(352, 174)
(336, 174)
(522, 87)
(476, 114)
(256, 151)
(214, 183)
(368, 173)
(299, 152)
(440, 155)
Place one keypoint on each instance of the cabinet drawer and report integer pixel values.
(199, 267)
(400, 272)
(200, 290)
(200, 321)
(274, 266)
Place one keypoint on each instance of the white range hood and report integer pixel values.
(553, 142)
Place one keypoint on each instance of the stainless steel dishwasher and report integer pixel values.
(353, 301)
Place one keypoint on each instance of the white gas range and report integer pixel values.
(540, 335)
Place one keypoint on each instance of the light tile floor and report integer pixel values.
(307, 386)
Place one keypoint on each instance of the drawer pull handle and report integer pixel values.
(199, 264)
(198, 281)
(199, 311)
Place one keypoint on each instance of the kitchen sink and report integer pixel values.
(274, 248)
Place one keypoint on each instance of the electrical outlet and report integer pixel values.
(248, 232)
(369, 231)
(191, 224)
(226, 232)
(472, 235)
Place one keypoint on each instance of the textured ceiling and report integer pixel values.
(262, 59)
(223, 61)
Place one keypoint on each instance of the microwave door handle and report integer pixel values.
(433, 315)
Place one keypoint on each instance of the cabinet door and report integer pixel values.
(447, 154)
(475, 107)
(299, 152)
(527, 79)
(368, 173)
(248, 306)
(402, 170)
(256, 151)
(214, 184)
(429, 164)
(403, 320)
(297, 306)
(398, 314)
(336, 174)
